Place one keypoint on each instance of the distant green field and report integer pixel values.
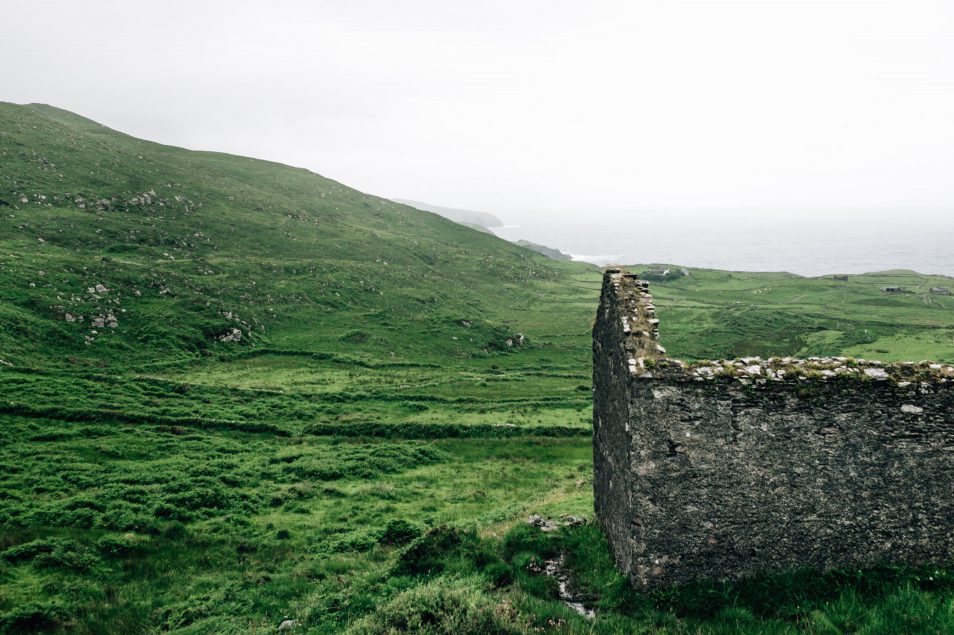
(716, 314)
(405, 392)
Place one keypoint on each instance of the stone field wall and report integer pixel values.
(726, 469)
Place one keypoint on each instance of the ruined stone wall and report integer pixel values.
(726, 469)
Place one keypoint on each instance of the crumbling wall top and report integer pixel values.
(648, 360)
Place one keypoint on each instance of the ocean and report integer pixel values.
(808, 247)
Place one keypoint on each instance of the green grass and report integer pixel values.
(365, 457)
(716, 314)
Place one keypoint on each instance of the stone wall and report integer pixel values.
(726, 469)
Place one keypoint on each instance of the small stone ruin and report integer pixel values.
(727, 469)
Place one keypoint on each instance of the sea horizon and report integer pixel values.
(811, 249)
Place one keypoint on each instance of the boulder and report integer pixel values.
(233, 335)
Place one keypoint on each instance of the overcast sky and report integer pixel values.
(526, 107)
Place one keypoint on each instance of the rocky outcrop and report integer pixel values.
(233, 335)
(549, 252)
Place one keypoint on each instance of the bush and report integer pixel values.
(355, 337)
(525, 538)
(500, 574)
(33, 618)
(365, 460)
(68, 556)
(55, 553)
(431, 553)
(399, 532)
(117, 545)
(28, 550)
(445, 606)
(445, 550)
(174, 531)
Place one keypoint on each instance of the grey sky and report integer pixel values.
(523, 108)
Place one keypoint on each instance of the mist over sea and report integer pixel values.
(811, 247)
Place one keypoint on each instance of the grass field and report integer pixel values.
(404, 394)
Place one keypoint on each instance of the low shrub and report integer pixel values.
(118, 546)
(34, 617)
(54, 553)
(445, 606)
(445, 550)
(524, 538)
(399, 532)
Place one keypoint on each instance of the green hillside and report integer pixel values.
(193, 244)
(132, 257)
(236, 394)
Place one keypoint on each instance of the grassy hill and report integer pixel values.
(183, 240)
(132, 257)
(235, 393)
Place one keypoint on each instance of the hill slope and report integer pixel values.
(193, 245)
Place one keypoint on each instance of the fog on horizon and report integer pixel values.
(534, 110)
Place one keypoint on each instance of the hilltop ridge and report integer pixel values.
(462, 216)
